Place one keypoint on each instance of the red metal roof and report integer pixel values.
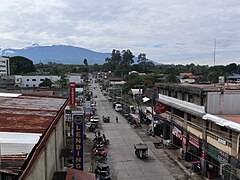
(233, 118)
(28, 113)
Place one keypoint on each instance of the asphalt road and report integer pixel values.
(121, 156)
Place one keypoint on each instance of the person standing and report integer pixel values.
(116, 119)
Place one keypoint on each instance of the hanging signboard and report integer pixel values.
(72, 94)
(87, 109)
(194, 141)
(176, 132)
(78, 120)
(160, 108)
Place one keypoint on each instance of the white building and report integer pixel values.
(34, 81)
(4, 66)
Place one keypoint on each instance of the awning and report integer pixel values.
(222, 122)
(182, 105)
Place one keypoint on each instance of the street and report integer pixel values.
(121, 157)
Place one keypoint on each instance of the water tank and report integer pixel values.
(221, 79)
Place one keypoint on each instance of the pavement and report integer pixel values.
(124, 164)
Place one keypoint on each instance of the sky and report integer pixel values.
(167, 31)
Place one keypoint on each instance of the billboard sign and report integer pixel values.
(72, 94)
(78, 121)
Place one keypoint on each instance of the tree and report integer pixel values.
(21, 65)
(114, 60)
(63, 82)
(127, 57)
(144, 65)
(46, 82)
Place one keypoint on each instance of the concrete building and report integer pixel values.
(4, 66)
(32, 136)
(203, 121)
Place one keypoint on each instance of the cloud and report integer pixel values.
(179, 30)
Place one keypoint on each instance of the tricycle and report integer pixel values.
(141, 150)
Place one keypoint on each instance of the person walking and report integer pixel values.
(116, 119)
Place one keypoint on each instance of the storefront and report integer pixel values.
(193, 148)
(177, 137)
(217, 163)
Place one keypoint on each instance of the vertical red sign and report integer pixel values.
(72, 94)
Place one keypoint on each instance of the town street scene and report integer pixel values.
(119, 90)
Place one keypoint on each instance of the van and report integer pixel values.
(118, 107)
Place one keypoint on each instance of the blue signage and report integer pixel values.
(78, 141)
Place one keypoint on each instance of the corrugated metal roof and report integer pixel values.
(23, 119)
(223, 120)
(28, 113)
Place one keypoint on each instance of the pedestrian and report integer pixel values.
(116, 119)
(99, 133)
(104, 137)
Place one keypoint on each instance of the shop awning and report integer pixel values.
(222, 122)
(182, 105)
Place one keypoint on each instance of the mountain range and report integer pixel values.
(64, 54)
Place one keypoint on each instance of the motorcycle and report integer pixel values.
(138, 125)
(100, 177)
(103, 167)
(99, 152)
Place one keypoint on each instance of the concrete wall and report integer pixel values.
(49, 161)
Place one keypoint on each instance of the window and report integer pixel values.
(27, 85)
(34, 80)
(190, 98)
(178, 113)
(223, 129)
(27, 79)
(41, 79)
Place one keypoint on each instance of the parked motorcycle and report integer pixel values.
(138, 125)
(102, 167)
(101, 177)
(99, 152)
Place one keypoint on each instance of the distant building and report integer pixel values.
(234, 79)
(4, 66)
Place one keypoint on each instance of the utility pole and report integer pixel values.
(138, 97)
(154, 96)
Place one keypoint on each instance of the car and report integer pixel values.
(94, 119)
(118, 107)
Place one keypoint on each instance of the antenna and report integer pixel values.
(214, 53)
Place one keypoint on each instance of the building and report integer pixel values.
(33, 81)
(32, 136)
(234, 78)
(4, 66)
(203, 121)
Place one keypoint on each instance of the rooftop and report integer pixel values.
(29, 114)
(23, 120)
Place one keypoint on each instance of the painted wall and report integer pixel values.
(49, 159)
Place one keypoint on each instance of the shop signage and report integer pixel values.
(184, 140)
(160, 108)
(223, 157)
(194, 141)
(222, 141)
(212, 151)
(87, 109)
(176, 132)
(72, 92)
(78, 141)
(217, 154)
